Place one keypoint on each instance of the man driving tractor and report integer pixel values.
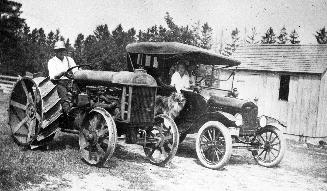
(57, 67)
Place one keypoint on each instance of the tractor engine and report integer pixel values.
(105, 97)
(128, 96)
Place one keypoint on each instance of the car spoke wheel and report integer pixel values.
(98, 137)
(162, 140)
(271, 147)
(213, 145)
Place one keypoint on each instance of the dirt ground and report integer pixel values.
(60, 168)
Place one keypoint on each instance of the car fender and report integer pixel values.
(272, 122)
(225, 118)
(278, 126)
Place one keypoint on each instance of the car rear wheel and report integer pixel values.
(271, 147)
(213, 145)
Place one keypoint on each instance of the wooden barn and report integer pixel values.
(288, 82)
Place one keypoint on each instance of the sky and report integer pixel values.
(82, 16)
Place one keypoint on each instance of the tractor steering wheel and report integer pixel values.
(69, 74)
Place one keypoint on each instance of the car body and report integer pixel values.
(209, 109)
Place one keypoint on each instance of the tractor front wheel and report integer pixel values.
(162, 140)
(98, 137)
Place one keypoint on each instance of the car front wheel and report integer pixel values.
(213, 145)
(271, 147)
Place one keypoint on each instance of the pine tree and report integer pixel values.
(51, 39)
(229, 48)
(10, 21)
(79, 49)
(57, 35)
(206, 38)
(195, 35)
(269, 37)
(321, 36)
(69, 48)
(294, 37)
(11, 27)
(102, 32)
(282, 37)
(252, 38)
(122, 39)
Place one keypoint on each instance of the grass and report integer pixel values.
(21, 168)
(128, 169)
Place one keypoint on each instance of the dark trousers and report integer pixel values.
(62, 87)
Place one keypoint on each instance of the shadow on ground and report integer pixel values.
(186, 149)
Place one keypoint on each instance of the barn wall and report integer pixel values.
(322, 108)
(299, 112)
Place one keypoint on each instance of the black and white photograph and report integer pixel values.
(163, 95)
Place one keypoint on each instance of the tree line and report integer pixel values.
(24, 49)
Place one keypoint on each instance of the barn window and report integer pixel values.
(284, 87)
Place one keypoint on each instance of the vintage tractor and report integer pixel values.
(105, 105)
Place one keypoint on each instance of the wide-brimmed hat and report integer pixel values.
(59, 45)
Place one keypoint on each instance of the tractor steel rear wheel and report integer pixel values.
(213, 145)
(272, 147)
(162, 140)
(98, 137)
(34, 106)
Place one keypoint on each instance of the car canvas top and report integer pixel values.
(192, 53)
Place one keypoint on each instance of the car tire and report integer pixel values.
(211, 137)
(266, 137)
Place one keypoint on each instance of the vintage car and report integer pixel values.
(105, 105)
(221, 120)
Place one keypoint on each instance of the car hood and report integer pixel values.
(230, 104)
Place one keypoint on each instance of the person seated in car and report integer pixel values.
(57, 67)
(180, 79)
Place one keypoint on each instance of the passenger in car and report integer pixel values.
(180, 79)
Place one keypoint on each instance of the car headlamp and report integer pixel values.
(239, 119)
(263, 121)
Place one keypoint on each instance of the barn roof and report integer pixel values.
(283, 58)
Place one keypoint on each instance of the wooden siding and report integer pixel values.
(300, 112)
(322, 108)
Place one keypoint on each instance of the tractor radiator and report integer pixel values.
(137, 104)
(143, 101)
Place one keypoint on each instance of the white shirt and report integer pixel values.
(180, 82)
(56, 66)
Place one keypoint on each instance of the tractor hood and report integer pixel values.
(230, 104)
(137, 78)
